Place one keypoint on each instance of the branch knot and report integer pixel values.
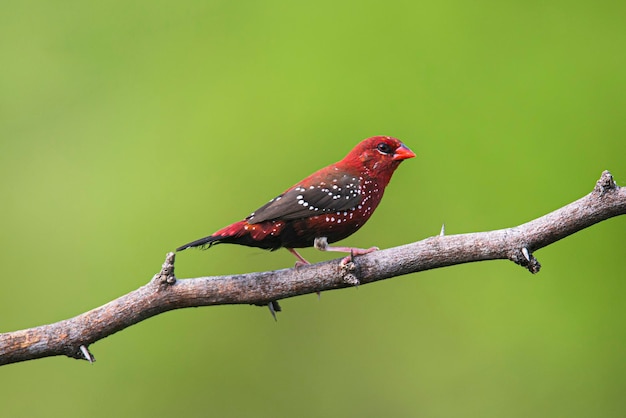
(526, 259)
(166, 276)
(605, 184)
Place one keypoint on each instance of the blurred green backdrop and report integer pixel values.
(128, 128)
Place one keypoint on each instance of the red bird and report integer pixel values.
(329, 205)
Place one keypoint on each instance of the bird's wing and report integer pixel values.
(304, 200)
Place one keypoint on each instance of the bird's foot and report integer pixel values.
(301, 260)
(321, 243)
(353, 251)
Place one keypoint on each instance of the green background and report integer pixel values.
(129, 128)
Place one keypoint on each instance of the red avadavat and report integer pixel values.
(329, 205)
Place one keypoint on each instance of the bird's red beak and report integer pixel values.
(402, 153)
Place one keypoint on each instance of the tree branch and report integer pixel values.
(164, 292)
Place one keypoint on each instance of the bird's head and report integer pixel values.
(378, 155)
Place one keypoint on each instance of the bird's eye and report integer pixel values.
(384, 148)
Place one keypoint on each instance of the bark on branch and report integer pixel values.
(164, 292)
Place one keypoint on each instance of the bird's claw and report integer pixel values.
(353, 252)
(366, 251)
(347, 263)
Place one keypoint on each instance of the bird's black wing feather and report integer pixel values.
(340, 194)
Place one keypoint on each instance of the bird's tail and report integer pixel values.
(263, 235)
(228, 234)
(205, 242)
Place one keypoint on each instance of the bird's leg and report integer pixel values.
(301, 260)
(321, 243)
